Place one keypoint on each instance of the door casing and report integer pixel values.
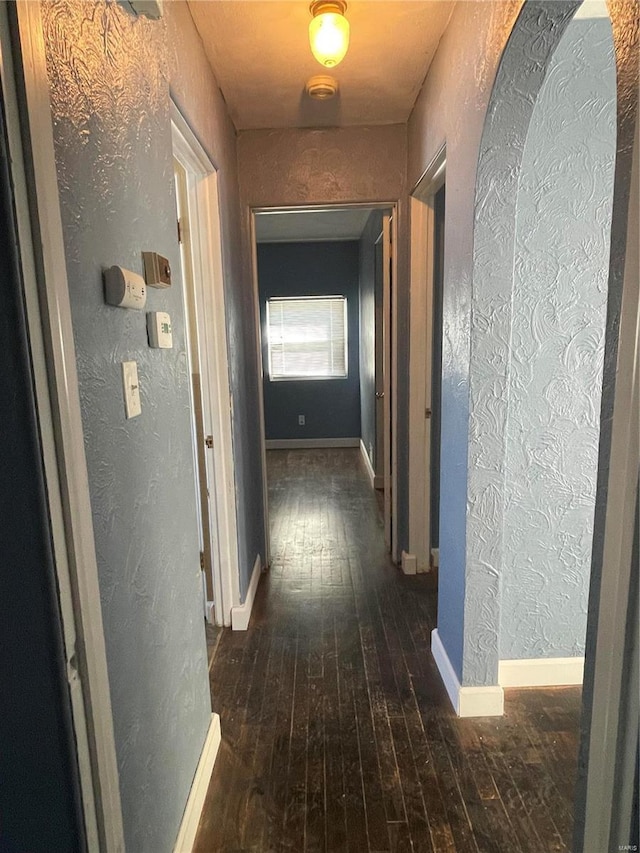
(422, 212)
(209, 300)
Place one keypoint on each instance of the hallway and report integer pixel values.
(337, 732)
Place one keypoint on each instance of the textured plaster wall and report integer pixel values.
(558, 314)
(451, 109)
(331, 407)
(368, 333)
(110, 75)
(485, 128)
(297, 166)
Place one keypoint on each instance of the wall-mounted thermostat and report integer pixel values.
(124, 288)
(157, 270)
(159, 330)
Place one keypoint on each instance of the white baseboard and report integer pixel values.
(241, 613)
(409, 563)
(378, 481)
(199, 786)
(540, 672)
(486, 701)
(309, 443)
(367, 463)
(209, 612)
(435, 557)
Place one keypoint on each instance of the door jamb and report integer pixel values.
(260, 369)
(421, 282)
(210, 302)
(606, 679)
(58, 399)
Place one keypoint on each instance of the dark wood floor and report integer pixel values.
(336, 731)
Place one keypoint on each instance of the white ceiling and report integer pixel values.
(295, 226)
(259, 51)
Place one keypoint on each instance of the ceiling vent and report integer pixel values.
(322, 87)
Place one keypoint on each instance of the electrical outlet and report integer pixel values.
(301, 420)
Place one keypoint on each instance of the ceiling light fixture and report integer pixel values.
(322, 87)
(329, 31)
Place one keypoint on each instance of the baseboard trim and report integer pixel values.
(409, 563)
(310, 443)
(435, 558)
(199, 787)
(540, 672)
(241, 613)
(485, 701)
(367, 463)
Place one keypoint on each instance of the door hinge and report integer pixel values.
(427, 413)
(179, 224)
(202, 560)
(209, 441)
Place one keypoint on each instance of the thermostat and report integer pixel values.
(124, 288)
(159, 329)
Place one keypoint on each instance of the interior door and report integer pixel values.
(200, 441)
(386, 376)
(379, 364)
(436, 367)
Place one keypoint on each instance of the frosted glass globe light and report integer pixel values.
(329, 32)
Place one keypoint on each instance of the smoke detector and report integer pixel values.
(321, 87)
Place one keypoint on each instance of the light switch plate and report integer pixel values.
(131, 388)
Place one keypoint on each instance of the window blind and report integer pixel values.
(307, 337)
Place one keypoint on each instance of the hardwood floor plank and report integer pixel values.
(337, 732)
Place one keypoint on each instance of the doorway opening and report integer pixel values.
(324, 292)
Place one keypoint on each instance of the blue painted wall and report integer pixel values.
(331, 407)
(109, 77)
(565, 200)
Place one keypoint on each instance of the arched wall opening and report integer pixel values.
(556, 351)
(512, 204)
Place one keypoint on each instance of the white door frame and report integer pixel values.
(208, 279)
(51, 336)
(205, 497)
(260, 370)
(421, 283)
(390, 521)
(393, 343)
(610, 680)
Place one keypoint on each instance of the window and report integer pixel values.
(307, 337)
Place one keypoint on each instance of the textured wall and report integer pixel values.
(110, 100)
(451, 108)
(368, 333)
(554, 383)
(331, 407)
(521, 74)
(329, 166)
